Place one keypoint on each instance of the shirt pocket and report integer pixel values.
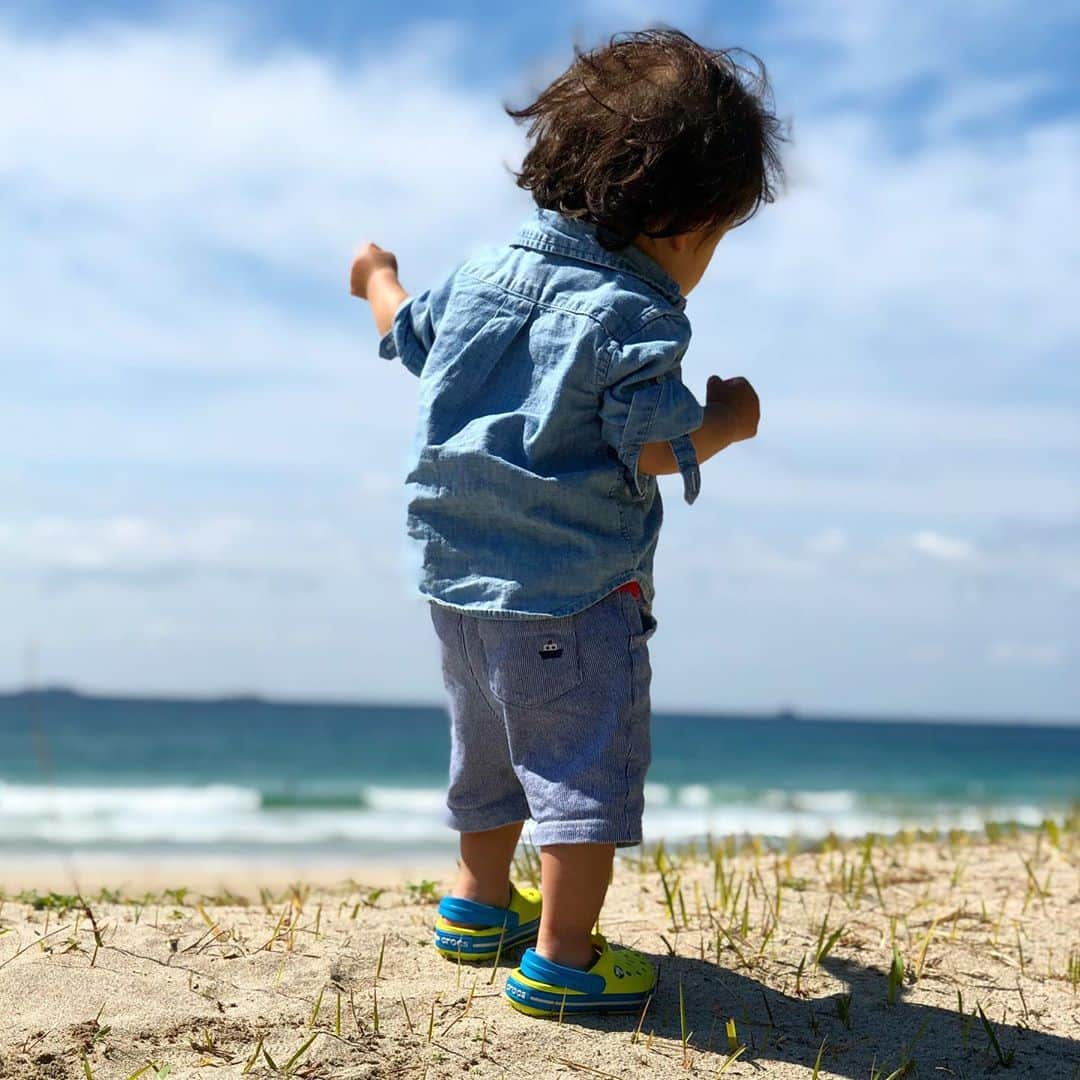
(530, 667)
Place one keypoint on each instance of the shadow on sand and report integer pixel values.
(778, 1027)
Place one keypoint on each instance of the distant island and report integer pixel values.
(58, 692)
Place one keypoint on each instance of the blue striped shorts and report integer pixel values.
(549, 720)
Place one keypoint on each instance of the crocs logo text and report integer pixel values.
(447, 942)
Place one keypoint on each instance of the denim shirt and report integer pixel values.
(545, 366)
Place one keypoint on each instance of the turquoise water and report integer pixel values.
(248, 777)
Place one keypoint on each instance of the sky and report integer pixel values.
(202, 456)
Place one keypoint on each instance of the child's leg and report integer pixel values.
(484, 875)
(485, 802)
(575, 879)
(575, 696)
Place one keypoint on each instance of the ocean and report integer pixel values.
(250, 778)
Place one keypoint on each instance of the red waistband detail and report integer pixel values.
(632, 587)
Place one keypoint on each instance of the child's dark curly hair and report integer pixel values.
(654, 134)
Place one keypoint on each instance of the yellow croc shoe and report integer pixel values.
(621, 980)
(492, 930)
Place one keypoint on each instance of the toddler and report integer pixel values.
(551, 397)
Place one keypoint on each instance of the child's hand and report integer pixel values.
(732, 412)
(369, 260)
(740, 401)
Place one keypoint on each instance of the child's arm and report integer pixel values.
(374, 278)
(732, 412)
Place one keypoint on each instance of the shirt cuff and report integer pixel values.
(387, 346)
(640, 422)
(686, 458)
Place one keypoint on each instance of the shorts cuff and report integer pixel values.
(483, 818)
(626, 834)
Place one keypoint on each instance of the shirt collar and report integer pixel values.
(548, 230)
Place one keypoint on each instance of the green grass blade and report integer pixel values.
(299, 1054)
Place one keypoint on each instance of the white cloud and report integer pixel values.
(178, 134)
(871, 49)
(1037, 654)
(943, 272)
(831, 541)
(948, 549)
(132, 550)
(143, 166)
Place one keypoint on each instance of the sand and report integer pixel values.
(794, 950)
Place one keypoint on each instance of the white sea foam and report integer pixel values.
(682, 824)
(825, 802)
(657, 794)
(218, 816)
(694, 795)
(283, 829)
(409, 800)
(839, 801)
(34, 800)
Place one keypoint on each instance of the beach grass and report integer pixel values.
(913, 955)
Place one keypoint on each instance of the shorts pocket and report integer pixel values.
(641, 623)
(648, 628)
(639, 655)
(531, 666)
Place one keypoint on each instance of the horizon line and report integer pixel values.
(783, 712)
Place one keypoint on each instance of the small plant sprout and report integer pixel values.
(423, 892)
(896, 1074)
(799, 974)
(682, 1029)
(965, 1019)
(287, 1070)
(382, 953)
(907, 1062)
(1034, 888)
(925, 946)
(732, 1035)
(527, 864)
(825, 944)
(843, 1010)
(896, 975)
(1005, 1057)
(733, 1055)
(663, 867)
(641, 1020)
(316, 1010)
(498, 955)
(251, 1060)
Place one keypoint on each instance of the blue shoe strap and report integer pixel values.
(469, 911)
(534, 966)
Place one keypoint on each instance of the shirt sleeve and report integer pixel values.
(645, 400)
(412, 332)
